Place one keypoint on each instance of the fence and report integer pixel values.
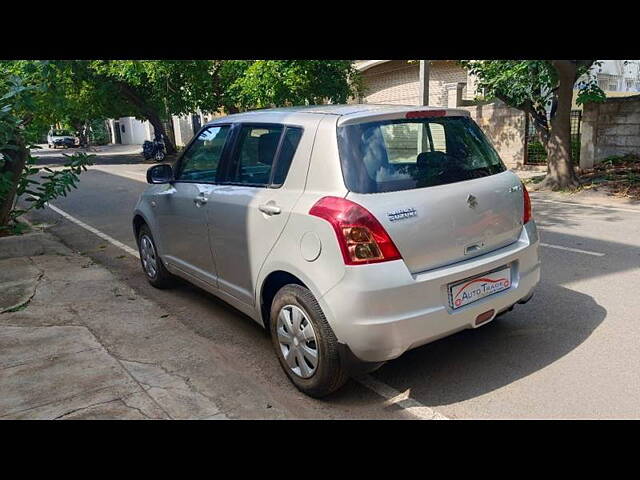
(535, 153)
(611, 128)
(505, 127)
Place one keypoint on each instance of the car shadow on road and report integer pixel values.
(513, 346)
(557, 320)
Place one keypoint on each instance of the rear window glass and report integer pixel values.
(406, 154)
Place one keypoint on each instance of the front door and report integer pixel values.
(182, 206)
(249, 210)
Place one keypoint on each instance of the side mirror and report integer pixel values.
(160, 174)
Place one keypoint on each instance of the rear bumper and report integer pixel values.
(381, 310)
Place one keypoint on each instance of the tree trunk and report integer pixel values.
(112, 137)
(149, 113)
(14, 163)
(154, 119)
(560, 170)
(81, 128)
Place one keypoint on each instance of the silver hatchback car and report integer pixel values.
(353, 233)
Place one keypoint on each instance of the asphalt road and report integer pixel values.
(571, 352)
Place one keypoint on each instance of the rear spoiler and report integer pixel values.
(405, 112)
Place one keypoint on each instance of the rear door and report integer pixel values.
(250, 208)
(437, 186)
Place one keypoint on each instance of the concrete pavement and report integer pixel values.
(84, 345)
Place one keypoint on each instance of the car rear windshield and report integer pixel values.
(405, 154)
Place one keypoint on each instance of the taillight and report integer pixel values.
(361, 238)
(526, 215)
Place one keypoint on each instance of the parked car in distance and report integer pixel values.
(62, 138)
(352, 232)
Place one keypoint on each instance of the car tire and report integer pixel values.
(152, 265)
(328, 374)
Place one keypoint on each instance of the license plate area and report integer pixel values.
(472, 289)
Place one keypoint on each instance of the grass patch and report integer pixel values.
(14, 228)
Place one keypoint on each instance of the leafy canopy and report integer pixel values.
(530, 85)
(22, 105)
(265, 83)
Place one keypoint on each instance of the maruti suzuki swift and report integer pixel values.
(353, 233)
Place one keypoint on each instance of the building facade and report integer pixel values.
(449, 85)
(131, 131)
(618, 75)
(399, 82)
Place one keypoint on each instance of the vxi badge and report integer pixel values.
(401, 214)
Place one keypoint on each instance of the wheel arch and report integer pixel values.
(273, 282)
(137, 222)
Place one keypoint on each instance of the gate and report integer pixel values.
(534, 151)
(576, 120)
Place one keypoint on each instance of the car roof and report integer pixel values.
(350, 113)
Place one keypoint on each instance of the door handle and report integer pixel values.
(270, 209)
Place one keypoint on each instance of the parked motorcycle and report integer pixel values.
(153, 149)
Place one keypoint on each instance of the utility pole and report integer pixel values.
(423, 143)
(424, 82)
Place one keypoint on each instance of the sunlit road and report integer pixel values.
(571, 352)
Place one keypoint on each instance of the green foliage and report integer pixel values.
(73, 91)
(23, 97)
(15, 103)
(40, 185)
(266, 83)
(515, 81)
(99, 134)
(591, 92)
(530, 85)
(53, 183)
(64, 92)
(174, 87)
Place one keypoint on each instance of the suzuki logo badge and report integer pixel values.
(471, 200)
